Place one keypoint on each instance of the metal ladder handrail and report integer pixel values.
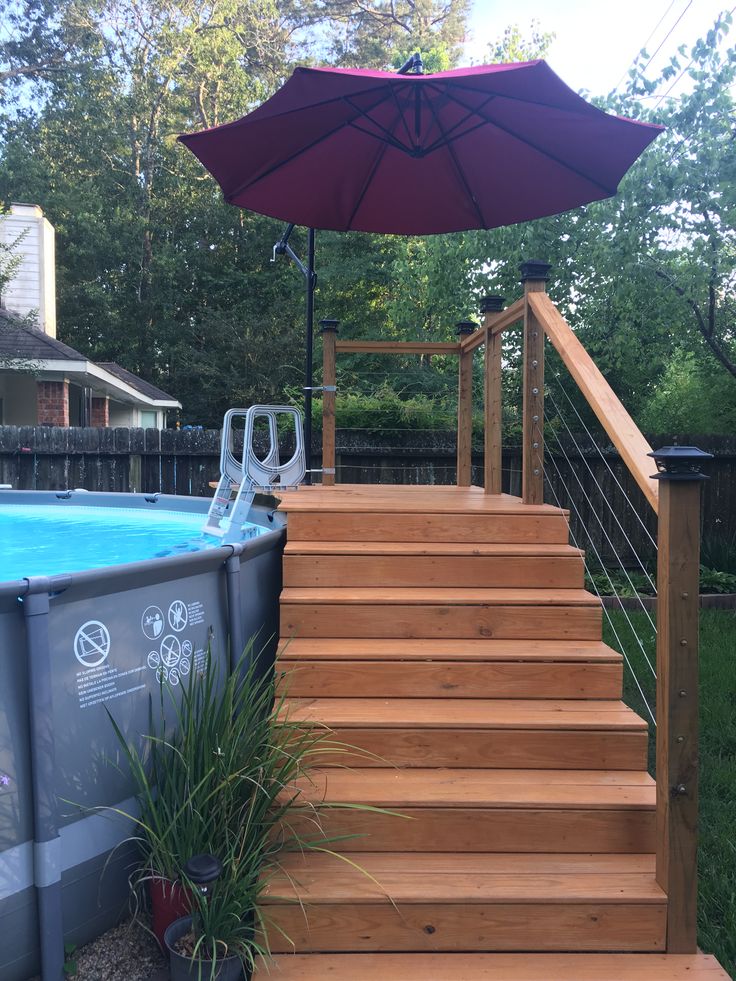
(227, 515)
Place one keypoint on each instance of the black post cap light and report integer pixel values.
(535, 270)
(492, 304)
(679, 463)
(464, 327)
(328, 325)
(202, 870)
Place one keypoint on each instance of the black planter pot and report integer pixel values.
(183, 968)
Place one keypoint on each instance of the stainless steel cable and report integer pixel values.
(606, 612)
(595, 514)
(602, 456)
(574, 506)
(611, 508)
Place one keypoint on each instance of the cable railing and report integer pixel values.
(556, 465)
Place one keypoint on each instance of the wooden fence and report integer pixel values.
(185, 461)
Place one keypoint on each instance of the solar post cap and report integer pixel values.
(202, 870)
(492, 303)
(535, 270)
(328, 325)
(679, 463)
(464, 327)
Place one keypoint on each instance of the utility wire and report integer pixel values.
(643, 47)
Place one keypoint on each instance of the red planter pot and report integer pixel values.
(169, 901)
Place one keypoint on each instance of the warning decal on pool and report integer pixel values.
(172, 660)
(100, 682)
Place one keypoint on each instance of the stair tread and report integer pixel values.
(467, 596)
(428, 499)
(467, 713)
(429, 548)
(493, 967)
(400, 649)
(449, 788)
(419, 878)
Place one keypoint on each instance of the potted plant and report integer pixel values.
(216, 774)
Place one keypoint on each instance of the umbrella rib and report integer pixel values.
(364, 190)
(401, 112)
(324, 136)
(458, 168)
(461, 122)
(539, 149)
(518, 98)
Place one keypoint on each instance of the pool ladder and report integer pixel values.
(228, 514)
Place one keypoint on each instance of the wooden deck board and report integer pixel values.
(493, 967)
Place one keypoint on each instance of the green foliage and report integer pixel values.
(221, 779)
(718, 550)
(717, 759)
(616, 582)
(70, 960)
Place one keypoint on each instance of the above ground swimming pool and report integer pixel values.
(103, 597)
(45, 540)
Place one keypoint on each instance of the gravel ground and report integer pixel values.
(125, 953)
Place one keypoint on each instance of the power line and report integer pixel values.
(636, 56)
(664, 96)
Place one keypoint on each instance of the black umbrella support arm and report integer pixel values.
(282, 247)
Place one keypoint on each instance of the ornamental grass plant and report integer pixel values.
(217, 773)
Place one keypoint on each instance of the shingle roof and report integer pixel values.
(139, 384)
(17, 340)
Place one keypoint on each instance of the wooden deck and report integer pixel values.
(445, 635)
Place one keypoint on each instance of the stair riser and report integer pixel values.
(467, 927)
(498, 748)
(503, 529)
(433, 570)
(408, 679)
(424, 620)
(437, 829)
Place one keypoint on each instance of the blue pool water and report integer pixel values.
(38, 540)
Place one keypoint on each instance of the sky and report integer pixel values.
(597, 41)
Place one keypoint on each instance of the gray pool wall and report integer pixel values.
(57, 747)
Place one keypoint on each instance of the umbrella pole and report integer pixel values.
(308, 386)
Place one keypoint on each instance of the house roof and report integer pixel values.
(18, 340)
(21, 342)
(142, 386)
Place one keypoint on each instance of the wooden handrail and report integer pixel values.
(621, 428)
(396, 347)
(507, 318)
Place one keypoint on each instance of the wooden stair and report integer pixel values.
(446, 637)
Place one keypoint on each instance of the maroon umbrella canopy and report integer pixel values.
(418, 154)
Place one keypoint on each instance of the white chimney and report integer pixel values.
(33, 286)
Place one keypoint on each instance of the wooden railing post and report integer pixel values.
(328, 330)
(678, 565)
(465, 409)
(534, 276)
(492, 436)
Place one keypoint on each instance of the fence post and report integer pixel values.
(492, 430)
(465, 408)
(328, 330)
(534, 276)
(678, 564)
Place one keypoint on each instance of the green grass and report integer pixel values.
(717, 842)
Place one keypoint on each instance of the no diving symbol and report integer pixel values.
(92, 643)
(170, 651)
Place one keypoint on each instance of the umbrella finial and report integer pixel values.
(413, 64)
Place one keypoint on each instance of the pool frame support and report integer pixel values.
(235, 619)
(46, 841)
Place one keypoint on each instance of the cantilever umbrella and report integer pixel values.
(418, 154)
